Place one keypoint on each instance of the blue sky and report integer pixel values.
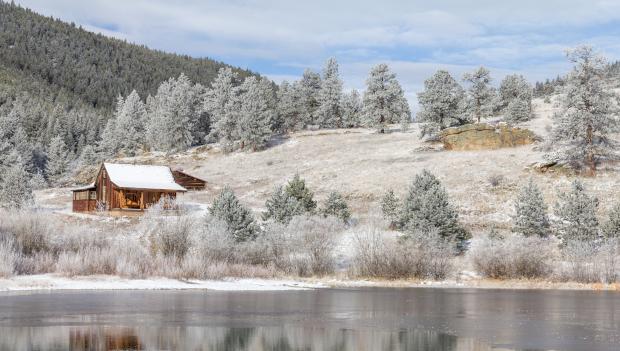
(280, 38)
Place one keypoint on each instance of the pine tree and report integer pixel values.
(239, 219)
(289, 108)
(256, 113)
(15, 188)
(130, 124)
(611, 228)
(38, 182)
(336, 206)
(589, 114)
(390, 207)
(427, 208)
(309, 87)
(217, 104)
(515, 98)
(351, 109)
(531, 217)
(88, 156)
(330, 97)
(384, 100)
(281, 207)
(441, 104)
(57, 160)
(576, 211)
(480, 93)
(297, 189)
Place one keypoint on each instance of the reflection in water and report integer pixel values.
(222, 338)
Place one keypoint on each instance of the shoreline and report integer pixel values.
(55, 282)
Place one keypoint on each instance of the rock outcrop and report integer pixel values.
(483, 136)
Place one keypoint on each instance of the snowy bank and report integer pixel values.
(106, 282)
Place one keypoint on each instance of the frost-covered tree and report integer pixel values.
(384, 101)
(427, 208)
(390, 207)
(256, 113)
(281, 207)
(57, 159)
(172, 114)
(336, 206)
(576, 212)
(611, 228)
(238, 218)
(589, 114)
(88, 156)
(330, 111)
(130, 125)
(351, 109)
(297, 189)
(15, 187)
(217, 104)
(37, 181)
(531, 218)
(289, 107)
(480, 93)
(309, 87)
(515, 98)
(441, 103)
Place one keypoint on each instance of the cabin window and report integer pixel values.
(81, 195)
(92, 195)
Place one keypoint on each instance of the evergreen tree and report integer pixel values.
(441, 103)
(256, 113)
(576, 211)
(427, 208)
(531, 217)
(351, 109)
(309, 88)
(38, 182)
(57, 160)
(611, 228)
(589, 114)
(281, 207)
(384, 100)
(239, 219)
(217, 104)
(480, 93)
(330, 97)
(88, 156)
(172, 114)
(289, 108)
(515, 98)
(130, 124)
(15, 187)
(297, 189)
(390, 206)
(336, 206)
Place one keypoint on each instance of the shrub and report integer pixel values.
(315, 238)
(513, 256)
(171, 236)
(495, 180)
(590, 262)
(390, 206)
(30, 230)
(8, 256)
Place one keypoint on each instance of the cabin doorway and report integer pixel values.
(132, 199)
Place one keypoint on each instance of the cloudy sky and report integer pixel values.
(280, 38)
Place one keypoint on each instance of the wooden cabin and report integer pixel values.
(127, 187)
(188, 181)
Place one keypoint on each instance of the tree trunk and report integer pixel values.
(590, 161)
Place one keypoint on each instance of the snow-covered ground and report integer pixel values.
(105, 282)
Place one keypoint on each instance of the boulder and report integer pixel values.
(483, 136)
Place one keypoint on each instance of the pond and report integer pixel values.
(321, 319)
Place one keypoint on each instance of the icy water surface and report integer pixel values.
(323, 319)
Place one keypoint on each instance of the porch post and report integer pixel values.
(142, 200)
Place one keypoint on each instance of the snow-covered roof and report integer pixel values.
(142, 177)
(86, 187)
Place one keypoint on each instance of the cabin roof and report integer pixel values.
(142, 177)
(91, 186)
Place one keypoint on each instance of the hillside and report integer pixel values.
(363, 164)
(89, 66)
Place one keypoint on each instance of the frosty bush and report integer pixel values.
(29, 230)
(15, 189)
(171, 236)
(336, 206)
(590, 261)
(8, 256)
(513, 257)
(390, 207)
(611, 228)
(315, 238)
